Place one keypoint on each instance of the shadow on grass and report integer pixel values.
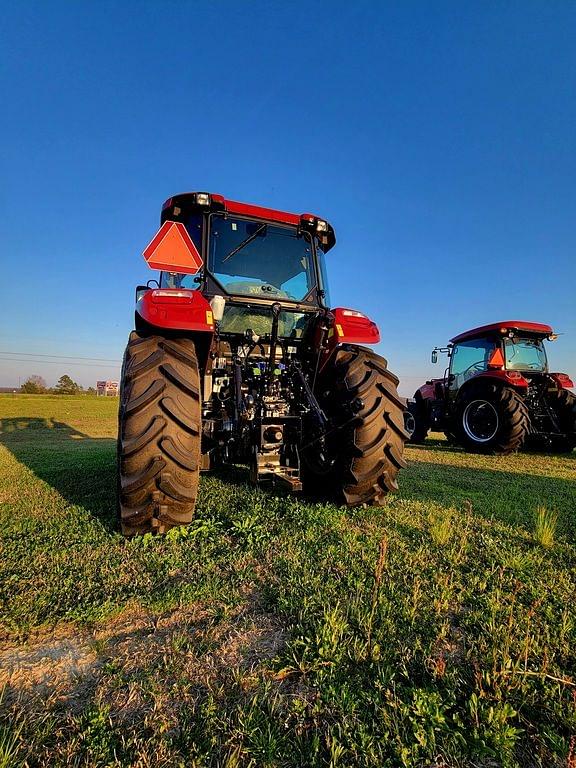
(81, 468)
(495, 494)
(436, 445)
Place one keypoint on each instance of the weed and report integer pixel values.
(9, 742)
(378, 573)
(545, 521)
(440, 526)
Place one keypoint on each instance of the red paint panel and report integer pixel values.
(256, 211)
(513, 325)
(427, 391)
(432, 390)
(247, 209)
(176, 310)
(354, 329)
(348, 329)
(512, 378)
(563, 380)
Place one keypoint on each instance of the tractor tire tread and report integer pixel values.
(370, 446)
(159, 434)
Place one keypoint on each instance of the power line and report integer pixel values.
(62, 357)
(59, 362)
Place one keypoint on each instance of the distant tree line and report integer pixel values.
(36, 385)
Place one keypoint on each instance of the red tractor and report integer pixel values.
(497, 394)
(237, 357)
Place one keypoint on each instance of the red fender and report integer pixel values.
(176, 309)
(352, 327)
(511, 378)
(348, 326)
(432, 390)
(562, 380)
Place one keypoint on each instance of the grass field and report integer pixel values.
(438, 630)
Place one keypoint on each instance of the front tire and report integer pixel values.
(359, 393)
(159, 429)
(491, 418)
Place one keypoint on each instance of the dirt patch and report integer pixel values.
(131, 664)
(52, 663)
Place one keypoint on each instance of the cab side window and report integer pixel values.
(469, 358)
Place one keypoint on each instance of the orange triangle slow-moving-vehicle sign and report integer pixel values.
(496, 359)
(173, 250)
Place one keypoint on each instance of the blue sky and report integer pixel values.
(438, 138)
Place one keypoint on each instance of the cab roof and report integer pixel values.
(522, 326)
(219, 204)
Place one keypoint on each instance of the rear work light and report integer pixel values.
(172, 294)
(321, 226)
(202, 198)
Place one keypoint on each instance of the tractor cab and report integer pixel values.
(499, 348)
(497, 392)
(512, 350)
(252, 257)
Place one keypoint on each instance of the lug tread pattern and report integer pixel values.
(145, 437)
(174, 412)
(370, 448)
(150, 394)
(177, 454)
(159, 434)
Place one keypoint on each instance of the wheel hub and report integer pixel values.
(480, 421)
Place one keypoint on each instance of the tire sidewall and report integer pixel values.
(495, 395)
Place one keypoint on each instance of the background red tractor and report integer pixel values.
(236, 356)
(497, 394)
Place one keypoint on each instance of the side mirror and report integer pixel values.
(434, 356)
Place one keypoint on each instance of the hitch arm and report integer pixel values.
(310, 396)
(276, 309)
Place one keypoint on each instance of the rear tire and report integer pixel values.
(564, 404)
(159, 429)
(367, 452)
(420, 412)
(491, 418)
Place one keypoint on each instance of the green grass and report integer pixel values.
(438, 630)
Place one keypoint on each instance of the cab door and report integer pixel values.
(468, 358)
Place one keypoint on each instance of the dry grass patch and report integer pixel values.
(140, 653)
